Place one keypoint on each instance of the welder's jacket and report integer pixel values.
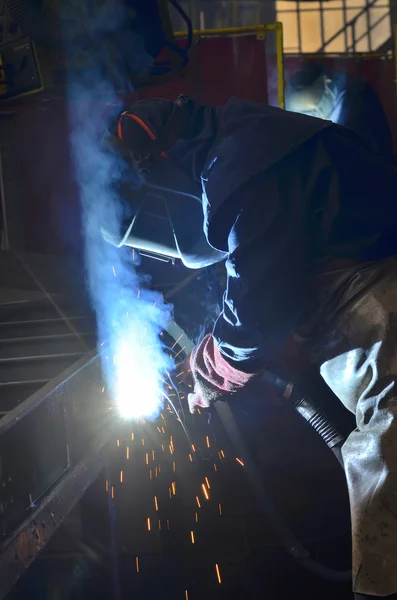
(282, 191)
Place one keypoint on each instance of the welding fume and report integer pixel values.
(302, 212)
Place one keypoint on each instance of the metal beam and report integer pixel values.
(51, 449)
(35, 532)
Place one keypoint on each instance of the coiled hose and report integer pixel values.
(309, 411)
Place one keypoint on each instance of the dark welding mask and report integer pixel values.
(316, 100)
(162, 208)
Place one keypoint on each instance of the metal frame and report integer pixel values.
(347, 24)
(260, 32)
(75, 406)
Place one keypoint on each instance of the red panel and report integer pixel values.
(378, 71)
(218, 69)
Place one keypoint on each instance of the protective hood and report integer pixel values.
(162, 214)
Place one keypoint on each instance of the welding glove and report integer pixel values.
(213, 377)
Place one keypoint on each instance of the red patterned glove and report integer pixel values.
(213, 376)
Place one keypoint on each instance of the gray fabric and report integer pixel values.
(353, 338)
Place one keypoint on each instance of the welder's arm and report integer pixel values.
(212, 375)
(267, 273)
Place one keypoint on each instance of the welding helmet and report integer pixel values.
(310, 92)
(162, 208)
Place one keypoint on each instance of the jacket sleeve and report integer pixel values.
(268, 264)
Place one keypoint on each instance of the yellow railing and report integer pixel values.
(395, 52)
(260, 31)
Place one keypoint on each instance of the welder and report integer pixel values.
(343, 98)
(304, 215)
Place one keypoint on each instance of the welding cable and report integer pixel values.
(293, 546)
(307, 409)
(321, 425)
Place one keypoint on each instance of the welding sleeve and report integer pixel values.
(267, 267)
(263, 225)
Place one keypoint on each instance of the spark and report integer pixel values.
(103, 389)
(199, 411)
(179, 374)
(190, 458)
(218, 573)
(162, 416)
(240, 461)
(107, 486)
(121, 476)
(118, 442)
(181, 336)
(170, 493)
(207, 439)
(198, 501)
(197, 517)
(223, 454)
(127, 452)
(159, 523)
(137, 564)
(186, 595)
(192, 536)
(143, 442)
(150, 474)
(174, 466)
(162, 447)
(112, 492)
(220, 508)
(205, 492)
(215, 469)
(163, 430)
(168, 524)
(158, 429)
(152, 454)
(208, 483)
(173, 486)
(114, 271)
(156, 504)
(149, 525)
(193, 448)
(181, 350)
(156, 471)
(133, 255)
(147, 458)
(132, 436)
(171, 449)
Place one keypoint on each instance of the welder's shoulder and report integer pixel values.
(251, 138)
